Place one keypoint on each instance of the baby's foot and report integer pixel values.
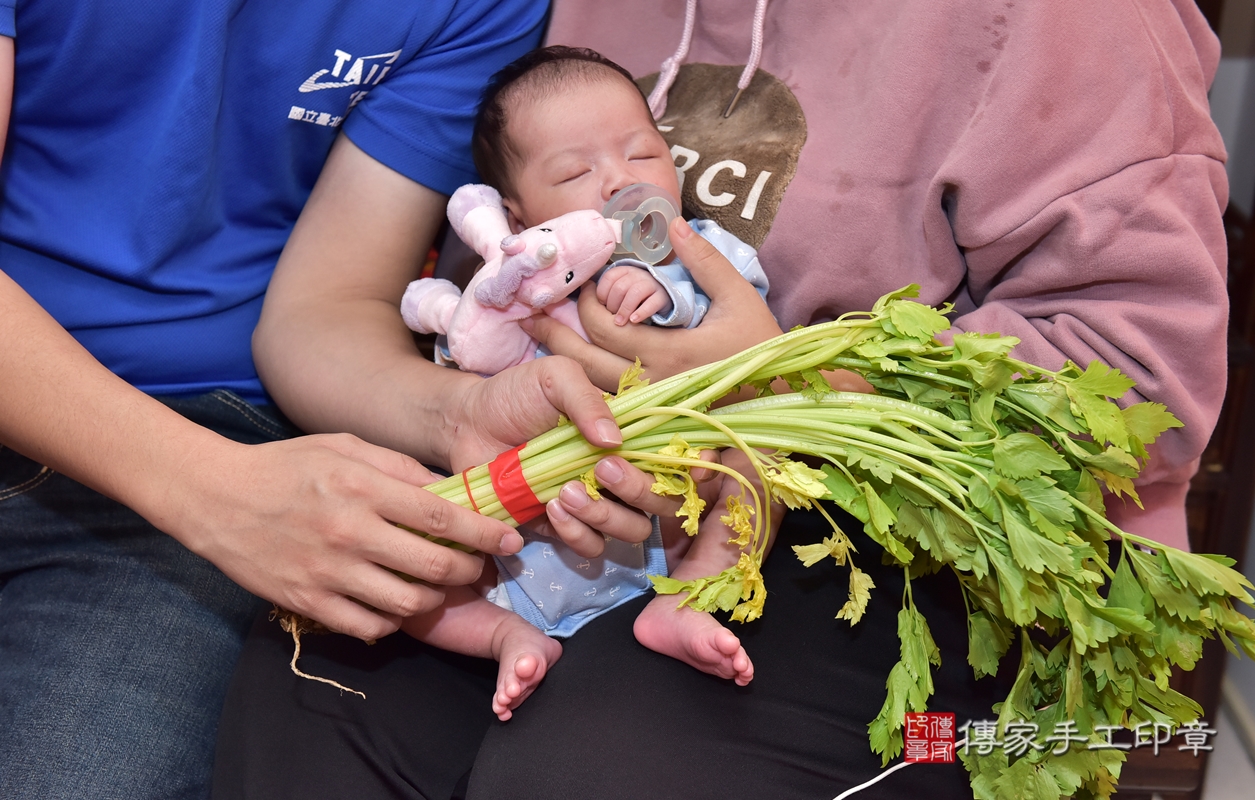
(694, 637)
(526, 655)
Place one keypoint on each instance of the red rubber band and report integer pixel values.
(512, 489)
(467, 484)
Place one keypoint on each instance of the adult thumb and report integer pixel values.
(709, 268)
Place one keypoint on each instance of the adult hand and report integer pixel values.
(308, 523)
(737, 319)
(497, 413)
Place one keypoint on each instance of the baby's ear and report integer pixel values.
(512, 217)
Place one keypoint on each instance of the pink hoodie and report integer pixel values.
(1049, 167)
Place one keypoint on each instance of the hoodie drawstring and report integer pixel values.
(756, 54)
(670, 67)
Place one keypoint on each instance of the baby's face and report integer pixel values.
(582, 144)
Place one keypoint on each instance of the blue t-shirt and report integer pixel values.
(160, 152)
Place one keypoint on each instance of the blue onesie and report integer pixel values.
(548, 584)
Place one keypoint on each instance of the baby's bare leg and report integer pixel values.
(696, 637)
(473, 626)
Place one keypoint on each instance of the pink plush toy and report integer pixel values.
(524, 274)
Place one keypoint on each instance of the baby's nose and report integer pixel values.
(620, 178)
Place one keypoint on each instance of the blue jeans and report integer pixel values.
(116, 643)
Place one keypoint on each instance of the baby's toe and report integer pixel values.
(526, 666)
(727, 643)
(501, 706)
(742, 667)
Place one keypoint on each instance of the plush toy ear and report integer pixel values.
(499, 290)
(478, 218)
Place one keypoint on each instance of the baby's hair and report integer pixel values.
(530, 77)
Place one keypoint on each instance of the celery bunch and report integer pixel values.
(969, 460)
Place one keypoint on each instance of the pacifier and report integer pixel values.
(644, 213)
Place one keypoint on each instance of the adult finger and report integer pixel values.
(702, 475)
(342, 614)
(390, 462)
(583, 523)
(386, 592)
(843, 380)
(601, 367)
(321, 526)
(633, 487)
(581, 520)
(427, 513)
(567, 388)
(573, 532)
(709, 268)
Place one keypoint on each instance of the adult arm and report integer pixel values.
(1107, 243)
(1128, 270)
(334, 352)
(302, 523)
(273, 517)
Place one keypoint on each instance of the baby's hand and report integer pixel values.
(631, 294)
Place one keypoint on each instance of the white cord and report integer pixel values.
(887, 773)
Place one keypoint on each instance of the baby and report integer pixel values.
(560, 130)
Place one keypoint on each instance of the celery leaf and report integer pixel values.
(1023, 455)
(917, 321)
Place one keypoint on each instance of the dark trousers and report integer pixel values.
(612, 719)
